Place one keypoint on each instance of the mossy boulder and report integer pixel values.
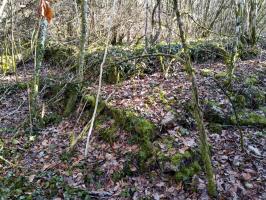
(251, 80)
(213, 112)
(142, 130)
(202, 51)
(71, 99)
(182, 166)
(188, 172)
(220, 75)
(255, 96)
(215, 128)
(249, 53)
(91, 101)
(108, 134)
(206, 72)
(239, 101)
(250, 118)
(131, 122)
(61, 55)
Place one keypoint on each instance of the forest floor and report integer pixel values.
(43, 158)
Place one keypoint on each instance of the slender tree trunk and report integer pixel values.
(204, 146)
(239, 10)
(156, 34)
(91, 123)
(245, 25)
(146, 24)
(39, 53)
(83, 38)
(13, 41)
(253, 21)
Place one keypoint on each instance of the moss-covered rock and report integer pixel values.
(249, 53)
(52, 118)
(206, 72)
(182, 166)
(239, 101)
(254, 96)
(202, 51)
(188, 172)
(213, 112)
(250, 118)
(131, 122)
(91, 101)
(71, 96)
(61, 55)
(215, 128)
(108, 134)
(251, 80)
(144, 130)
(220, 75)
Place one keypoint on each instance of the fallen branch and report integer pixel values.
(100, 194)
(5, 160)
(100, 79)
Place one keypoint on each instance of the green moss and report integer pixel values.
(187, 172)
(108, 135)
(90, 100)
(239, 101)
(250, 118)
(133, 123)
(249, 53)
(61, 55)
(52, 118)
(185, 165)
(255, 96)
(178, 158)
(72, 96)
(204, 50)
(263, 109)
(141, 129)
(206, 72)
(220, 75)
(251, 80)
(213, 112)
(215, 128)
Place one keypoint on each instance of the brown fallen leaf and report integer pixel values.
(246, 176)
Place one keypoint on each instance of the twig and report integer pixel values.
(234, 111)
(100, 194)
(5, 160)
(100, 80)
(13, 112)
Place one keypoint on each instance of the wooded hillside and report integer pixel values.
(133, 99)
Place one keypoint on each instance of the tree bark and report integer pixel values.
(239, 10)
(39, 53)
(204, 146)
(83, 38)
(253, 21)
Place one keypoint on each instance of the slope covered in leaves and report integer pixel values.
(41, 165)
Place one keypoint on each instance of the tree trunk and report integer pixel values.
(204, 146)
(253, 21)
(83, 38)
(239, 10)
(39, 53)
